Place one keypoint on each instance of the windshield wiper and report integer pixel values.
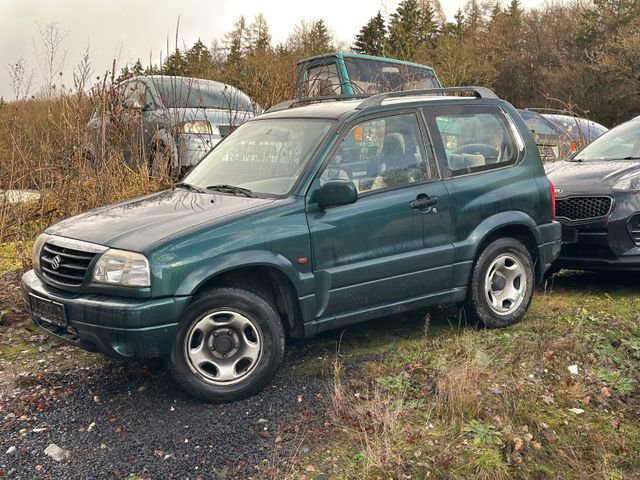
(231, 189)
(188, 186)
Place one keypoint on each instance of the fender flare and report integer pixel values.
(251, 258)
(467, 249)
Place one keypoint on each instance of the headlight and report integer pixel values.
(37, 249)
(628, 183)
(118, 267)
(201, 127)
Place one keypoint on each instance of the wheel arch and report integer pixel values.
(264, 273)
(516, 224)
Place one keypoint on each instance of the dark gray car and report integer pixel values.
(170, 122)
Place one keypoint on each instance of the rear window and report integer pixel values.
(473, 139)
(537, 124)
(377, 76)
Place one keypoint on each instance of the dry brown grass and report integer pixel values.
(458, 395)
(43, 147)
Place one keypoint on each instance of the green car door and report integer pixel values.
(393, 244)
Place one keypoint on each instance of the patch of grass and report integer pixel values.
(14, 255)
(496, 403)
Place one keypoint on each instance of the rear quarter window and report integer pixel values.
(471, 139)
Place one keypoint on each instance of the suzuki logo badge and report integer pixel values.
(55, 263)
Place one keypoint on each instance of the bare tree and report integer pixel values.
(20, 79)
(83, 71)
(50, 54)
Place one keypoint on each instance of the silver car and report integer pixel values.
(168, 122)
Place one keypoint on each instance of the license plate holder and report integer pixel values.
(48, 310)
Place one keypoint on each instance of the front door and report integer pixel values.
(393, 244)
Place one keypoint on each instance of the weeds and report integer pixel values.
(498, 404)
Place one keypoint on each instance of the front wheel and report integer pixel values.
(501, 284)
(228, 347)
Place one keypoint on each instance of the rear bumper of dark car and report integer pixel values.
(117, 327)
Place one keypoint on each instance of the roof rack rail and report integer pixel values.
(376, 100)
(323, 98)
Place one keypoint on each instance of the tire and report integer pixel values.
(502, 283)
(229, 345)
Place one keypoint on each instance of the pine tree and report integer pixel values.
(199, 60)
(428, 25)
(473, 17)
(236, 41)
(403, 27)
(458, 26)
(259, 36)
(372, 37)
(515, 11)
(175, 64)
(319, 39)
(125, 74)
(137, 69)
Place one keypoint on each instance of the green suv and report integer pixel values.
(304, 220)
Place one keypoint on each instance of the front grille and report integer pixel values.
(634, 229)
(583, 208)
(72, 264)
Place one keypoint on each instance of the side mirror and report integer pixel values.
(131, 104)
(337, 192)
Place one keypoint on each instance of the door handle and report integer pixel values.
(423, 201)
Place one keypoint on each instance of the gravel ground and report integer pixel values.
(120, 419)
(125, 419)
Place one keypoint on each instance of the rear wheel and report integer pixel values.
(229, 345)
(501, 285)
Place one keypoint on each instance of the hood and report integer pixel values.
(137, 224)
(590, 176)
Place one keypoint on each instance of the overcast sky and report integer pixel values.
(129, 29)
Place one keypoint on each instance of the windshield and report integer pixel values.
(377, 76)
(263, 156)
(619, 143)
(180, 92)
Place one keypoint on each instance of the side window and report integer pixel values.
(474, 139)
(322, 80)
(134, 91)
(148, 99)
(381, 153)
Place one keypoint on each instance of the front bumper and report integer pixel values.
(604, 243)
(116, 326)
(192, 147)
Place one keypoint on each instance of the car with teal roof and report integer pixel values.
(357, 75)
(306, 219)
